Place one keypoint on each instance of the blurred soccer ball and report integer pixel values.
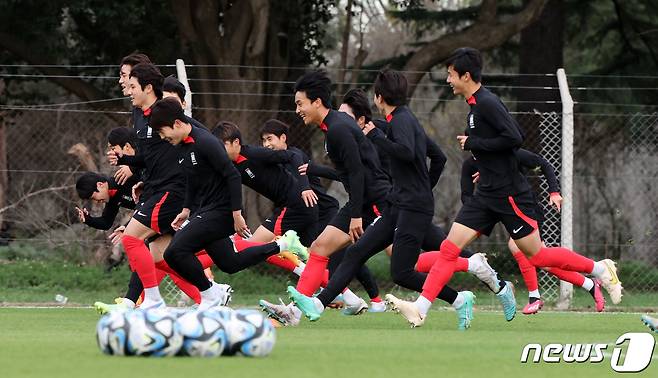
(249, 334)
(139, 333)
(203, 332)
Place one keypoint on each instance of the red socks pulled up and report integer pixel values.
(140, 260)
(313, 274)
(563, 258)
(442, 270)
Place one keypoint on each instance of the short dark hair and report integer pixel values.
(316, 84)
(274, 127)
(87, 184)
(165, 112)
(466, 59)
(119, 136)
(358, 100)
(171, 84)
(147, 73)
(392, 86)
(227, 131)
(135, 59)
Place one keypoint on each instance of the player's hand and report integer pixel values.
(476, 177)
(113, 156)
(180, 219)
(82, 214)
(137, 191)
(368, 127)
(302, 169)
(310, 198)
(240, 225)
(117, 234)
(122, 174)
(555, 200)
(462, 140)
(356, 229)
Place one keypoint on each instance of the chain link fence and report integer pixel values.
(615, 196)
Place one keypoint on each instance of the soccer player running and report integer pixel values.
(211, 177)
(531, 161)
(274, 135)
(503, 195)
(411, 203)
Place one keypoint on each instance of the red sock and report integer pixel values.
(528, 271)
(311, 279)
(559, 257)
(442, 270)
(565, 275)
(241, 244)
(187, 288)
(204, 259)
(376, 299)
(159, 274)
(281, 263)
(427, 259)
(140, 260)
(325, 279)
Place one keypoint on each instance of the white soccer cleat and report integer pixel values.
(356, 308)
(610, 281)
(288, 315)
(226, 294)
(377, 307)
(484, 272)
(407, 309)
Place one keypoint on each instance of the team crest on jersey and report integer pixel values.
(149, 132)
(471, 120)
(193, 158)
(249, 173)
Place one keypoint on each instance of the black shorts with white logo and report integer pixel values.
(158, 211)
(304, 220)
(516, 213)
(370, 212)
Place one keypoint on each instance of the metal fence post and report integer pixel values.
(182, 77)
(566, 178)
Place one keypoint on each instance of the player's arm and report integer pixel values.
(533, 160)
(220, 162)
(437, 161)
(320, 170)
(105, 221)
(266, 155)
(402, 143)
(509, 136)
(297, 160)
(466, 181)
(136, 160)
(350, 155)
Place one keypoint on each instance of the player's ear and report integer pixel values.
(284, 138)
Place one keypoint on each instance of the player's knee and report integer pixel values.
(401, 277)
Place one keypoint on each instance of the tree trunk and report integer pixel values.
(345, 47)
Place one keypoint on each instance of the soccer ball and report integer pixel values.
(139, 333)
(249, 334)
(203, 333)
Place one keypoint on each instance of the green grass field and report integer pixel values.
(60, 342)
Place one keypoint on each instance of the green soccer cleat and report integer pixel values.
(305, 304)
(294, 245)
(650, 322)
(507, 299)
(104, 308)
(465, 312)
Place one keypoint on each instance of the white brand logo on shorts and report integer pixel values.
(636, 358)
(193, 158)
(471, 121)
(517, 230)
(180, 160)
(149, 132)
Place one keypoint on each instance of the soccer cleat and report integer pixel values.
(356, 309)
(484, 272)
(533, 308)
(226, 294)
(104, 308)
(506, 297)
(284, 314)
(153, 306)
(599, 300)
(610, 281)
(287, 255)
(294, 245)
(337, 303)
(305, 304)
(650, 322)
(377, 307)
(407, 309)
(465, 311)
